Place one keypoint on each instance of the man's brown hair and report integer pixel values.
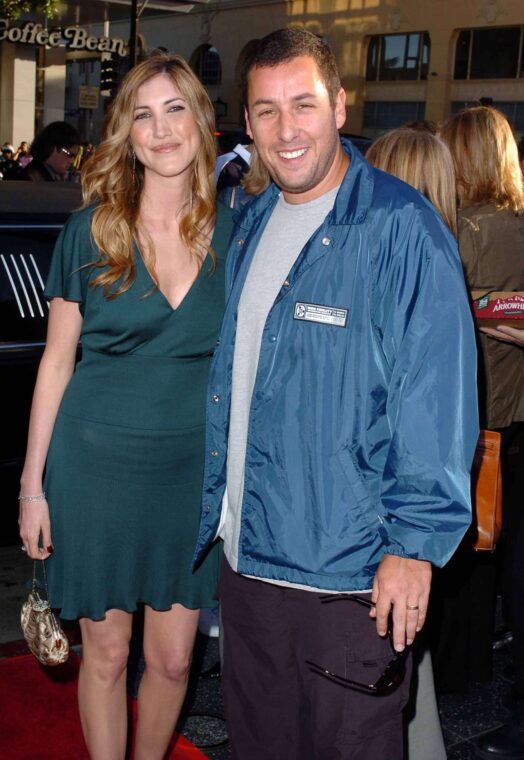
(284, 45)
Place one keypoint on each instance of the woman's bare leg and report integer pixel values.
(168, 646)
(102, 684)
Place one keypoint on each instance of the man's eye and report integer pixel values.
(304, 106)
(267, 112)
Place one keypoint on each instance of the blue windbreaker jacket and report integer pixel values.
(363, 420)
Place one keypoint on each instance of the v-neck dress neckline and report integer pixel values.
(157, 290)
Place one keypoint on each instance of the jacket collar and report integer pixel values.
(351, 204)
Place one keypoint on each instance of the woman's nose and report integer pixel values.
(160, 126)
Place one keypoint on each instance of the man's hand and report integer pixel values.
(401, 586)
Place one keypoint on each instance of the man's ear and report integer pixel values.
(340, 108)
(248, 123)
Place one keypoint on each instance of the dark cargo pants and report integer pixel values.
(276, 708)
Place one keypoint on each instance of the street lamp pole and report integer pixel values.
(132, 33)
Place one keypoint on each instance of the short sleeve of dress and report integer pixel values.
(68, 275)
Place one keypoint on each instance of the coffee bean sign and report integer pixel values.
(72, 37)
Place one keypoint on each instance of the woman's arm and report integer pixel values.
(54, 373)
(507, 334)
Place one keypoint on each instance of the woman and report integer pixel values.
(53, 150)
(491, 241)
(138, 275)
(421, 159)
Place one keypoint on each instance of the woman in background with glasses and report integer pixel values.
(138, 275)
(54, 150)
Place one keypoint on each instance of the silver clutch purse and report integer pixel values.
(41, 628)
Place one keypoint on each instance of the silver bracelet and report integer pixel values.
(38, 497)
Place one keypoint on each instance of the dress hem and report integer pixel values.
(123, 608)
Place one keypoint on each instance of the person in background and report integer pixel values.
(417, 156)
(423, 125)
(54, 150)
(491, 243)
(250, 184)
(231, 167)
(23, 155)
(138, 275)
(342, 422)
(8, 165)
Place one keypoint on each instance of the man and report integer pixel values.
(54, 150)
(230, 167)
(8, 165)
(342, 424)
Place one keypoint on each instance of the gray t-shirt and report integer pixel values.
(287, 231)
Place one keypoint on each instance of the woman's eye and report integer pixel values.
(142, 115)
(177, 108)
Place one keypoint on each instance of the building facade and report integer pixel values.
(399, 59)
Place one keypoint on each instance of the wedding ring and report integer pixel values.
(23, 548)
(412, 606)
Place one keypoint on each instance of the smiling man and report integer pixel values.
(341, 426)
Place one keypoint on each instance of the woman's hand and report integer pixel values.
(35, 529)
(507, 334)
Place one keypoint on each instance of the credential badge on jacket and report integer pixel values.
(327, 315)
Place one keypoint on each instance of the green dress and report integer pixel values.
(124, 468)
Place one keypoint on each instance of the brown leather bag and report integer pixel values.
(486, 493)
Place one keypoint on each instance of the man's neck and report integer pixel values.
(333, 178)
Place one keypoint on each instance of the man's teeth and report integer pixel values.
(292, 153)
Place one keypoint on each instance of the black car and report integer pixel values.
(31, 216)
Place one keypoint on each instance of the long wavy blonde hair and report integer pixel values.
(486, 158)
(421, 159)
(114, 179)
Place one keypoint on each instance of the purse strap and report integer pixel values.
(51, 618)
(44, 575)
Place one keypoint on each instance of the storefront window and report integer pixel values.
(489, 53)
(393, 57)
(205, 62)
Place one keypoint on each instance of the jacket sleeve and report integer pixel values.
(425, 332)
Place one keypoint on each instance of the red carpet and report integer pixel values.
(39, 718)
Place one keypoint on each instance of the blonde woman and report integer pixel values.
(138, 276)
(491, 241)
(421, 159)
